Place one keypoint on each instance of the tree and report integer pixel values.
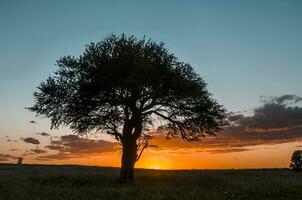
(120, 86)
(296, 160)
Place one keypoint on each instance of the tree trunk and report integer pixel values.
(128, 160)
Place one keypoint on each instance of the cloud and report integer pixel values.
(43, 134)
(272, 116)
(31, 140)
(273, 123)
(59, 156)
(73, 146)
(35, 151)
(282, 100)
(7, 157)
(227, 150)
(76, 144)
(38, 151)
(10, 139)
(230, 140)
(285, 99)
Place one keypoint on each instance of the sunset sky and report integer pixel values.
(249, 53)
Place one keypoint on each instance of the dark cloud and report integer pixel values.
(71, 146)
(38, 151)
(76, 144)
(34, 152)
(273, 116)
(236, 117)
(282, 100)
(272, 123)
(43, 134)
(230, 140)
(11, 140)
(287, 99)
(7, 157)
(31, 140)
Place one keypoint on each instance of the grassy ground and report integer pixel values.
(76, 182)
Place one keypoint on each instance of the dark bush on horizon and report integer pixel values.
(296, 162)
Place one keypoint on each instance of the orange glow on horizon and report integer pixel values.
(265, 156)
(155, 162)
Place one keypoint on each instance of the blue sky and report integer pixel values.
(243, 49)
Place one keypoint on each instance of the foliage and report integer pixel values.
(296, 160)
(124, 83)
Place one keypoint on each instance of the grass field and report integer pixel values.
(77, 182)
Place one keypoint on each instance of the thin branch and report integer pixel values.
(112, 131)
(179, 126)
(141, 152)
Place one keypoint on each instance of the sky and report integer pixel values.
(245, 51)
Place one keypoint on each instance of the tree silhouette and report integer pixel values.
(296, 160)
(120, 86)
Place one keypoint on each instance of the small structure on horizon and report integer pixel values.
(296, 162)
(20, 160)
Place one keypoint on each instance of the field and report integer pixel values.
(78, 182)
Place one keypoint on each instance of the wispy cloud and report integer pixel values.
(227, 150)
(38, 151)
(43, 134)
(7, 157)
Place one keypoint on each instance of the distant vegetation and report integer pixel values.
(28, 182)
(296, 162)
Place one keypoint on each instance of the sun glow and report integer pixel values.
(154, 162)
(155, 167)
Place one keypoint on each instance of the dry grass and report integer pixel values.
(77, 182)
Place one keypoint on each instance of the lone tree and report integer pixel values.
(121, 85)
(296, 161)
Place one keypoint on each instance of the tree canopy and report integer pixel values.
(296, 160)
(121, 76)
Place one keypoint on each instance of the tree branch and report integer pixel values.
(179, 126)
(112, 131)
(141, 152)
